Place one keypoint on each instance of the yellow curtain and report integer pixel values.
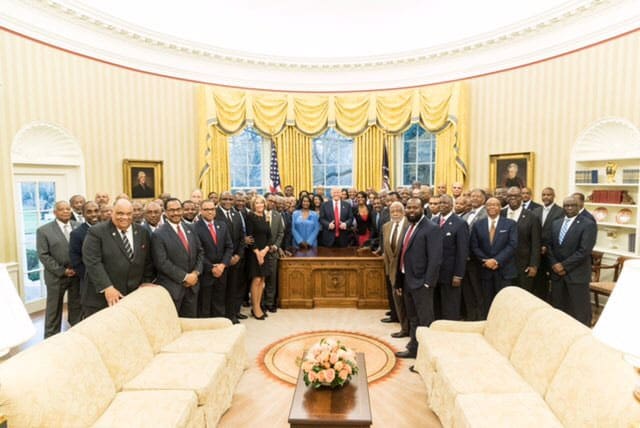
(393, 111)
(452, 142)
(434, 106)
(270, 113)
(294, 159)
(352, 113)
(368, 158)
(230, 114)
(311, 113)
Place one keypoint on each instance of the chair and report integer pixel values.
(603, 288)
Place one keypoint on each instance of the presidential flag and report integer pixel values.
(385, 169)
(274, 172)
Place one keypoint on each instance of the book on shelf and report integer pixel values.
(586, 176)
(608, 196)
(631, 175)
(632, 242)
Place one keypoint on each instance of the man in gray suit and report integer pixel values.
(274, 218)
(392, 233)
(115, 266)
(52, 242)
(471, 291)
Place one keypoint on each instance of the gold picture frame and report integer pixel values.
(142, 179)
(511, 169)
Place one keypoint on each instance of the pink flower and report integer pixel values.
(348, 368)
(307, 366)
(312, 376)
(344, 373)
(321, 377)
(330, 375)
(338, 366)
(333, 358)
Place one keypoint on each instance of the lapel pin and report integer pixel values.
(113, 234)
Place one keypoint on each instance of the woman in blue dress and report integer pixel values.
(305, 224)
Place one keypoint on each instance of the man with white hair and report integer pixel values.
(335, 218)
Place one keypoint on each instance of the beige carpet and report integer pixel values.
(397, 399)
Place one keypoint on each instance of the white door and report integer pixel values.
(36, 190)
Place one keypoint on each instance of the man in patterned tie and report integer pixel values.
(569, 252)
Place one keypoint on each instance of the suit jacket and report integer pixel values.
(234, 226)
(575, 251)
(277, 228)
(327, 216)
(423, 255)
(107, 263)
(481, 213)
(214, 253)
(529, 239)
(376, 229)
(76, 238)
(173, 261)
(455, 248)
(586, 214)
(532, 206)
(53, 252)
(385, 216)
(139, 191)
(76, 217)
(555, 213)
(287, 220)
(391, 258)
(502, 249)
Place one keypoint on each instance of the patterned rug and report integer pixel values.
(279, 359)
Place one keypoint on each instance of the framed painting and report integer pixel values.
(511, 169)
(142, 179)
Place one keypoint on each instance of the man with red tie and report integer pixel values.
(177, 255)
(336, 218)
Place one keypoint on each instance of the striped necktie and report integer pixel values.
(563, 230)
(127, 245)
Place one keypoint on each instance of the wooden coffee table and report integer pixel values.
(345, 407)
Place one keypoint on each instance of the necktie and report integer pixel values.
(405, 245)
(394, 237)
(229, 216)
(492, 231)
(442, 221)
(472, 214)
(67, 231)
(545, 213)
(183, 238)
(127, 245)
(563, 230)
(336, 214)
(212, 231)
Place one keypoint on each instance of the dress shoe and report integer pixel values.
(405, 354)
(413, 369)
(235, 321)
(242, 316)
(260, 318)
(399, 334)
(273, 309)
(387, 319)
(388, 313)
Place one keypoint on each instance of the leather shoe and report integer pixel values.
(387, 319)
(242, 316)
(388, 313)
(405, 354)
(399, 334)
(413, 369)
(273, 309)
(235, 321)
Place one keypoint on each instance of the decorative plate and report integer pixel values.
(623, 216)
(600, 213)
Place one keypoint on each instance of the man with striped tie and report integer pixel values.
(117, 259)
(569, 252)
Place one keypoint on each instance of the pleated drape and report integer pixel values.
(368, 158)
(294, 159)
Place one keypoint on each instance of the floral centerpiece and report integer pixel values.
(329, 363)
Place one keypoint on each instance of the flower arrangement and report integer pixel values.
(329, 363)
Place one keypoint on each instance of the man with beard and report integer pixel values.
(91, 215)
(547, 213)
(189, 212)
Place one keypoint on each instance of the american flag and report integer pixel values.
(385, 169)
(274, 172)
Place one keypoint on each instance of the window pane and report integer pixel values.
(409, 176)
(245, 154)
(409, 151)
(424, 173)
(419, 156)
(424, 152)
(331, 175)
(28, 195)
(332, 159)
(255, 176)
(47, 191)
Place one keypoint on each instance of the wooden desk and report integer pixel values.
(332, 277)
(337, 408)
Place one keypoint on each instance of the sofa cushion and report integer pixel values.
(472, 375)
(507, 316)
(61, 382)
(121, 341)
(593, 387)
(153, 409)
(198, 372)
(522, 410)
(543, 344)
(157, 314)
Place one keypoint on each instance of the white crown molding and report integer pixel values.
(43, 143)
(87, 32)
(617, 137)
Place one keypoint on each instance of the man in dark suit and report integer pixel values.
(471, 285)
(217, 246)
(152, 216)
(274, 218)
(52, 242)
(529, 230)
(582, 212)
(77, 204)
(569, 250)
(336, 218)
(419, 265)
(493, 242)
(527, 202)
(142, 189)
(177, 255)
(115, 267)
(91, 215)
(455, 249)
(235, 271)
(547, 214)
(376, 224)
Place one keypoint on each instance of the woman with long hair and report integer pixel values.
(260, 231)
(362, 215)
(305, 224)
(317, 202)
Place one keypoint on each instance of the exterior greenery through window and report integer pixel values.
(332, 160)
(246, 160)
(418, 156)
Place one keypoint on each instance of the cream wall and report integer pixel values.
(112, 112)
(543, 108)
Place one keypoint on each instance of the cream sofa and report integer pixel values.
(528, 365)
(135, 364)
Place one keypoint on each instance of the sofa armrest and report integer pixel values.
(459, 326)
(188, 324)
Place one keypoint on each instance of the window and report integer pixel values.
(418, 156)
(332, 160)
(246, 154)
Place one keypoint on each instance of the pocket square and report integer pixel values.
(448, 233)
(502, 231)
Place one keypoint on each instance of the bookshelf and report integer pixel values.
(606, 169)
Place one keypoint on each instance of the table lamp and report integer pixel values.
(15, 325)
(619, 321)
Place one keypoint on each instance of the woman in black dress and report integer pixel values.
(259, 229)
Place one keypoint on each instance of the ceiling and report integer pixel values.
(328, 45)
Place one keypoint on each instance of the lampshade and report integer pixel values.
(618, 324)
(15, 325)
